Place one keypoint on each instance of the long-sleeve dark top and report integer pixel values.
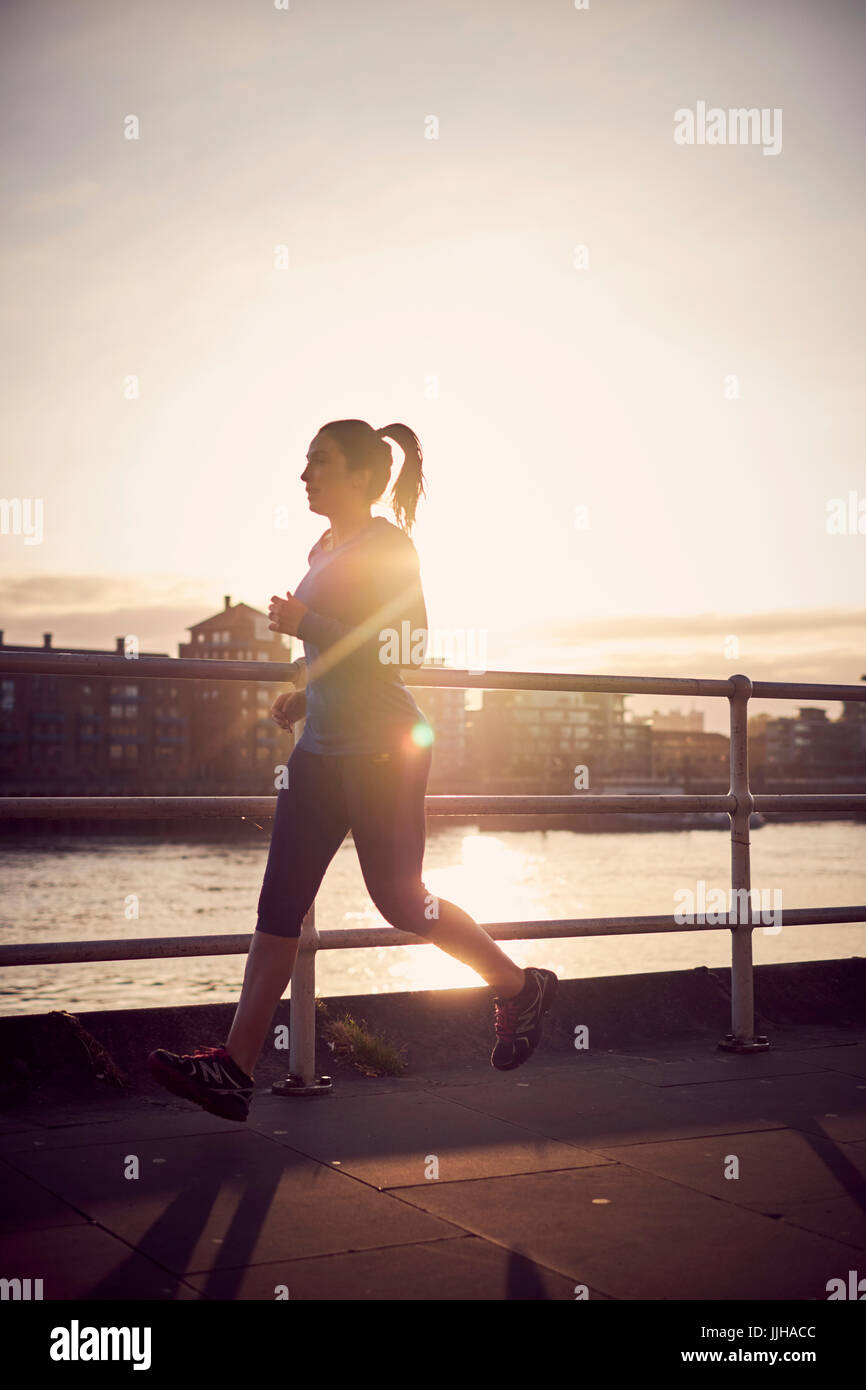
(356, 699)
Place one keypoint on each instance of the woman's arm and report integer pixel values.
(289, 707)
(298, 673)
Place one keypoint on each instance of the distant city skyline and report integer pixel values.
(149, 734)
(824, 646)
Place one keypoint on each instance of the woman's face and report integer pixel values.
(332, 488)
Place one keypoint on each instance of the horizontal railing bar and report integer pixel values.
(551, 680)
(148, 667)
(580, 926)
(356, 938)
(264, 807)
(137, 948)
(793, 690)
(195, 668)
(211, 807)
(804, 801)
(136, 807)
(58, 662)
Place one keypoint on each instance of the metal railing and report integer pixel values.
(739, 803)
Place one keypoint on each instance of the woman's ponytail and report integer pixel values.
(410, 484)
(366, 448)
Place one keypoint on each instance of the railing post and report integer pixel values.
(302, 1017)
(742, 1036)
(302, 1079)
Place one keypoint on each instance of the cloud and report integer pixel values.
(93, 610)
(645, 627)
(62, 593)
(51, 200)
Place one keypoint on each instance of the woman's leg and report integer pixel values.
(385, 799)
(310, 824)
(270, 961)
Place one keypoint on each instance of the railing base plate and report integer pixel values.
(732, 1044)
(296, 1086)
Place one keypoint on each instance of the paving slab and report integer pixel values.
(849, 1058)
(101, 1111)
(842, 1218)
(634, 1236)
(205, 1201)
(598, 1109)
(9, 1124)
(723, 1067)
(777, 1169)
(27, 1205)
(86, 1262)
(389, 1140)
(463, 1268)
(827, 1103)
(145, 1122)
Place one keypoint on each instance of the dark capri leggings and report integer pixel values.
(380, 798)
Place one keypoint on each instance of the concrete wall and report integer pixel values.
(42, 1058)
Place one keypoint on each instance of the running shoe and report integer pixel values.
(208, 1076)
(518, 1021)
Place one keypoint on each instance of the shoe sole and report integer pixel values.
(179, 1086)
(547, 998)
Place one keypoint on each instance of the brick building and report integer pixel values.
(678, 755)
(91, 736)
(234, 743)
(129, 736)
(533, 739)
(812, 745)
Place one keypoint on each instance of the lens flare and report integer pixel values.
(422, 735)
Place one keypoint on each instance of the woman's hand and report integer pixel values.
(288, 708)
(286, 614)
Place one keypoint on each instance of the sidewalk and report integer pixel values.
(604, 1169)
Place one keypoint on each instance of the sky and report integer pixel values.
(630, 449)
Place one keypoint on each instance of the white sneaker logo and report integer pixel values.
(212, 1071)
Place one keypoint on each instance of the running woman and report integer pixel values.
(361, 764)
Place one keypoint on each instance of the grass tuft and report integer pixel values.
(371, 1053)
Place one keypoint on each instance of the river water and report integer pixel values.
(84, 887)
